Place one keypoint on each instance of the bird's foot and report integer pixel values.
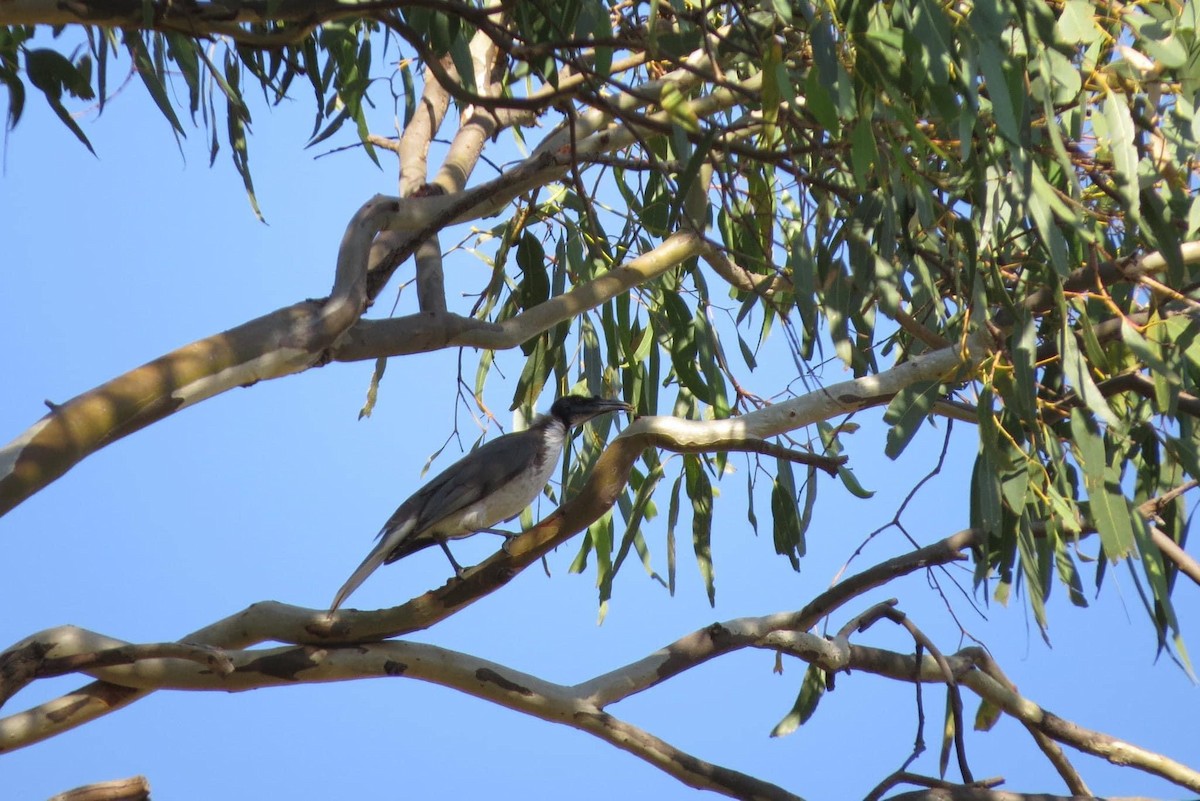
(509, 536)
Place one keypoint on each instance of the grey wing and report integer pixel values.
(463, 483)
(477, 475)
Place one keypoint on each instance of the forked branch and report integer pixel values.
(584, 706)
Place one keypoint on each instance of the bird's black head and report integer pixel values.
(574, 410)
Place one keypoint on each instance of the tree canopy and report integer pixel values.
(984, 215)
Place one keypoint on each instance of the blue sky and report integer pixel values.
(274, 492)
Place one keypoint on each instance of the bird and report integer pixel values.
(493, 483)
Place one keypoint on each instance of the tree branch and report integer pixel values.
(201, 18)
(581, 706)
(721, 638)
(136, 788)
(1104, 273)
(477, 125)
(281, 343)
(969, 666)
(419, 333)
(608, 478)
(961, 793)
(295, 665)
(297, 337)
(413, 147)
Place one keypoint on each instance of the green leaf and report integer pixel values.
(531, 258)
(677, 44)
(1078, 372)
(1149, 355)
(947, 735)
(707, 348)
(1024, 357)
(601, 533)
(1159, 40)
(594, 19)
(785, 514)
(16, 95)
(932, 29)
(810, 502)
(1109, 508)
(460, 54)
(700, 492)
(642, 508)
(819, 103)
(579, 563)
(1006, 108)
(1077, 23)
(53, 73)
(852, 485)
(672, 521)
(151, 78)
(751, 518)
(185, 53)
(1031, 568)
(987, 715)
(906, 412)
(864, 154)
(1044, 206)
(679, 338)
(833, 448)
(679, 109)
(236, 119)
(1118, 137)
(811, 690)
(1067, 572)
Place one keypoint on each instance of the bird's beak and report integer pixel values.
(607, 405)
(612, 405)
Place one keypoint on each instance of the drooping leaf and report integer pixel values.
(1110, 510)
(906, 412)
(700, 492)
(811, 690)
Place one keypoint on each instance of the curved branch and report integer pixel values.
(720, 638)
(948, 364)
(477, 125)
(608, 478)
(1104, 273)
(136, 788)
(281, 343)
(739, 277)
(961, 793)
(972, 666)
(889, 611)
(489, 681)
(581, 706)
(413, 147)
(297, 337)
(202, 18)
(419, 333)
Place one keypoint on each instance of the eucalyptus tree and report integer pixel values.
(985, 211)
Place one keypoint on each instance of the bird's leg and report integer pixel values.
(509, 536)
(458, 571)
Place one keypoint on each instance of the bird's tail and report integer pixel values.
(387, 541)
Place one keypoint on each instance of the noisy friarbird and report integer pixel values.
(493, 483)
